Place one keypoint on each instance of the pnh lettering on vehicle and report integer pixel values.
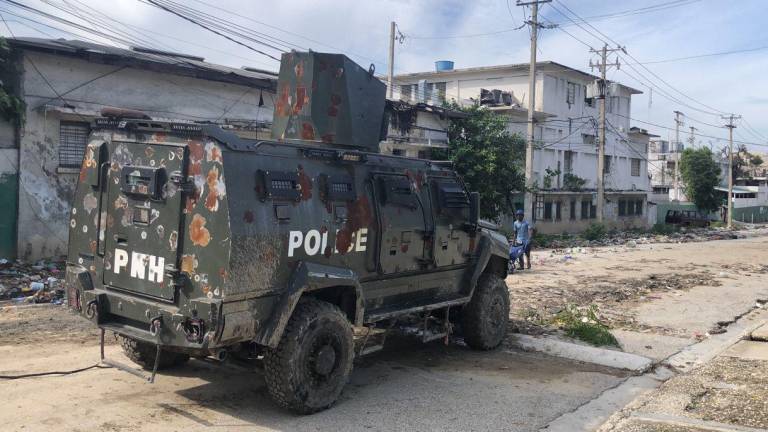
(142, 266)
(316, 242)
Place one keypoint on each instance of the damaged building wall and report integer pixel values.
(46, 184)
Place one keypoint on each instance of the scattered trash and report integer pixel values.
(31, 283)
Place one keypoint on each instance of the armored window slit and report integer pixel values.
(277, 185)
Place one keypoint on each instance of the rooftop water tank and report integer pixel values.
(443, 65)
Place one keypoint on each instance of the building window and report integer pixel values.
(548, 210)
(558, 212)
(539, 210)
(423, 154)
(398, 152)
(622, 208)
(438, 92)
(568, 161)
(639, 207)
(570, 94)
(606, 164)
(572, 214)
(588, 139)
(585, 209)
(406, 92)
(635, 167)
(73, 137)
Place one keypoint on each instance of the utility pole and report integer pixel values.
(602, 85)
(730, 127)
(678, 123)
(529, 182)
(391, 64)
(692, 138)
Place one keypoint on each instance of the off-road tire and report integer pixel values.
(144, 354)
(295, 370)
(485, 317)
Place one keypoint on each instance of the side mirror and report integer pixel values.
(474, 208)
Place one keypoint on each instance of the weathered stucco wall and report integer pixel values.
(46, 188)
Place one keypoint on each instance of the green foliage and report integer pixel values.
(573, 183)
(548, 174)
(595, 231)
(664, 229)
(755, 160)
(488, 157)
(584, 324)
(700, 174)
(11, 107)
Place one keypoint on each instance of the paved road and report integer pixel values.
(409, 386)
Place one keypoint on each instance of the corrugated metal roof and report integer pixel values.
(147, 58)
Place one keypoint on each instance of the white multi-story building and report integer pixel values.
(565, 161)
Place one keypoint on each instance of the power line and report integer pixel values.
(721, 53)
(716, 111)
(180, 15)
(696, 134)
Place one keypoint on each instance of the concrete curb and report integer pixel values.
(704, 351)
(583, 353)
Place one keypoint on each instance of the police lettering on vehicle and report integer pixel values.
(315, 242)
(142, 266)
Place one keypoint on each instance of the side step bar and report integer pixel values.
(133, 371)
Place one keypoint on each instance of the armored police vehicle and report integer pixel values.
(186, 240)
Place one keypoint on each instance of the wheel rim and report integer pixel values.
(323, 359)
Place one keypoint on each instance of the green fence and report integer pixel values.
(751, 214)
(9, 185)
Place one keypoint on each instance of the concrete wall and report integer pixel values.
(46, 188)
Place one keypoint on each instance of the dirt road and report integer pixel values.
(408, 386)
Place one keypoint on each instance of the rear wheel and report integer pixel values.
(144, 354)
(311, 365)
(485, 317)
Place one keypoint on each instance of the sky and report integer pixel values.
(481, 33)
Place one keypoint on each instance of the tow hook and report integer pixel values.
(92, 309)
(155, 325)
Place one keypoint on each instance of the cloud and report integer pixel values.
(361, 30)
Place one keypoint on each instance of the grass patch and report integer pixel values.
(584, 324)
(595, 231)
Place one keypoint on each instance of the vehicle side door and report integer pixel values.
(402, 225)
(452, 243)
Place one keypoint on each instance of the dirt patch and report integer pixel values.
(24, 325)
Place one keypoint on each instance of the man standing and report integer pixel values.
(523, 234)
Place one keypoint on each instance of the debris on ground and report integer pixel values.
(633, 238)
(535, 308)
(41, 282)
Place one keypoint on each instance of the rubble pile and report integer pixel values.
(634, 238)
(535, 307)
(41, 282)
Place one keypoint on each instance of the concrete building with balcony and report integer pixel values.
(565, 159)
(416, 129)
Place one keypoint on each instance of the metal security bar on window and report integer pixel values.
(73, 137)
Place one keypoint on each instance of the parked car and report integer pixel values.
(686, 218)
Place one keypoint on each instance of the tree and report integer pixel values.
(700, 174)
(488, 157)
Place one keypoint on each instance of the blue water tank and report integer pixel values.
(443, 65)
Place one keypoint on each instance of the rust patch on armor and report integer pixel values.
(188, 263)
(198, 233)
(196, 154)
(306, 184)
(359, 216)
(212, 180)
(212, 153)
(307, 131)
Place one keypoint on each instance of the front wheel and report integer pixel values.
(485, 317)
(311, 365)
